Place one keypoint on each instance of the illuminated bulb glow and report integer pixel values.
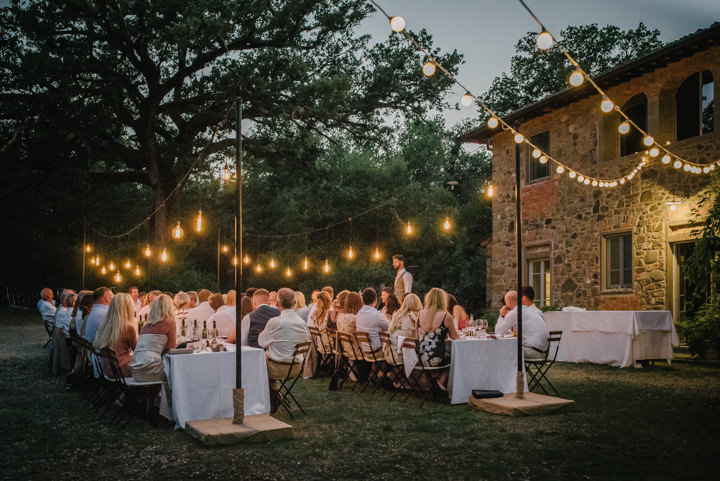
(490, 191)
(493, 122)
(466, 100)
(543, 159)
(117, 277)
(288, 272)
(594, 183)
(706, 170)
(112, 266)
(519, 138)
(92, 260)
(148, 252)
(648, 141)
(686, 167)
(128, 264)
(306, 264)
(326, 267)
(586, 181)
(624, 128)
(225, 249)
(246, 259)
(544, 40)
(226, 173)
(429, 69)
(199, 221)
(235, 260)
(576, 78)
(622, 181)
(350, 253)
(164, 256)
(397, 24)
(572, 174)
(536, 153)
(581, 178)
(103, 270)
(446, 224)
(137, 271)
(560, 169)
(177, 231)
(606, 105)
(258, 268)
(88, 248)
(654, 152)
(673, 207)
(377, 254)
(666, 159)
(409, 229)
(272, 263)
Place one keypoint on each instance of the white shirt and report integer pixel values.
(372, 321)
(535, 333)
(47, 310)
(200, 313)
(60, 313)
(407, 279)
(311, 310)
(281, 334)
(144, 310)
(138, 305)
(224, 319)
(94, 321)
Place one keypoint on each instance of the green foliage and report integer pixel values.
(550, 308)
(536, 74)
(704, 325)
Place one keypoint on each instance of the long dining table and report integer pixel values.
(201, 384)
(617, 338)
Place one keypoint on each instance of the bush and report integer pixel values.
(705, 325)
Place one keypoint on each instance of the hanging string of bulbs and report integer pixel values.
(546, 40)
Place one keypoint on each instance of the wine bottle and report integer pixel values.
(214, 330)
(204, 330)
(195, 332)
(183, 329)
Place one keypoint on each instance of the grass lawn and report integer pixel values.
(641, 424)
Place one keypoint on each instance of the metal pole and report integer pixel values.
(218, 259)
(518, 245)
(238, 240)
(84, 249)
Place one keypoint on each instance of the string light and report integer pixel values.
(306, 264)
(544, 40)
(493, 122)
(226, 173)
(128, 264)
(199, 221)
(409, 228)
(148, 252)
(446, 224)
(288, 272)
(350, 253)
(429, 69)
(164, 255)
(536, 153)
(117, 277)
(112, 266)
(225, 249)
(246, 259)
(377, 254)
(466, 100)
(606, 105)
(654, 152)
(137, 271)
(648, 141)
(543, 159)
(397, 24)
(88, 248)
(326, 267)
(519, 138)
(490, 191)
(177, 232)
(258, 268)
(103, 270)
(235, 260)
(272, 263)
(576, 78)
(624, 128)
(92, 260)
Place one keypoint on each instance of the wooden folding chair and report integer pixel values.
(537, 369)
(392, 365)
(286, 385)
(373, 357)
(323, 348)
(349, 356)
(422, 371)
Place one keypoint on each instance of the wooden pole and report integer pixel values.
(238, 393)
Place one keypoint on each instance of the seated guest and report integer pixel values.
(202, 311)
(156, 338)
(230, 299)
(319, 317)
(149, 298)
(80, 311)
(535, 333)
(404, 323)
(391, 306)
(135, 294)
(337, 307)
(246, 306)
(223, 318)
(370, 320)
(313, 305)
(63, 316)
(273, 299)
(46, 306)
(101, 300)
(279, 338)
(141, 300)
(300, 308)
(254, 323)
(348, 317)
(118, 333)
(435, 325)
(193, 298)
(183, 305)
(386, 291)
(458, 313)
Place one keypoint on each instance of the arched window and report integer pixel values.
(694, 111)
(636, 110)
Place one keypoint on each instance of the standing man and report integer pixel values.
(403, 279)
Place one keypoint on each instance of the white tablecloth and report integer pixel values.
(617, 338)
(202, 384)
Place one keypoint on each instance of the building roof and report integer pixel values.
(684, 47)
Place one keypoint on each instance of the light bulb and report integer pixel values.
(572, 174)
(226, 173)
(409, 229)
(686, 167)
(654, 152)
(543, 159)
(258, 268)
(128, 264)
(112, 266)
(622, 181)
(137, 270)
(177, 231)
(429, 69)
(235, 260)
(272, 263)
(350, 253)
(544, 40)
(164, 255)
(397, 24)
(306, 264)
(103, 270)
(288, 272)
(92, 260)
(594, 183)
(519, 138)
(576, 78)
(326, 267)
(490, 191)
(246, 259)
(446, 224)
(377, 253)
(117, 277)
(199, 221)
(648, 141)
(225, 249)
(624, 128)
(706, 170)
(606, 105)
(493, 122)
(560, 169)
(97, 260)
(581, 178)
(88, 248)
(148, 252)
(586, 181)
(536, 153)
(673, 207)
(466, 100)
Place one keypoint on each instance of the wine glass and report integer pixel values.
(224, 333)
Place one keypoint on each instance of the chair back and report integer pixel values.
(554, 337)
(347, 345)
(410, 343)
(363, 339)
(387, 347)
(315, 337)
(332, 337)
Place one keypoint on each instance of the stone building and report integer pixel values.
(619, 247)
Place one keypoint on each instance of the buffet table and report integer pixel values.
(617, 338)
(202, 384)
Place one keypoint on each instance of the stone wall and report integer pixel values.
(566, 221)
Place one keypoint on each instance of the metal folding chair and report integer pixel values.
(537, 369)
(422, 371)
(286, 385)
(50, 328)
(393, 365)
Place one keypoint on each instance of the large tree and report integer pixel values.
(136, 89)
(535, 74)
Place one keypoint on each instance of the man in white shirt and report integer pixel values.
(101, 300)
(46, 306)
(203, 311)
(224, 316)
(254, 323)
(403, 279)
(370, 320)
(535, 333)
(279, 338)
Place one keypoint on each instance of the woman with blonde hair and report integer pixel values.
(403, 323)
(435, 325)
(299, 306)
(118, 333)
(157, 338)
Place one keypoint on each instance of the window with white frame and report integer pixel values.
(539, 279)
(618, 261)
